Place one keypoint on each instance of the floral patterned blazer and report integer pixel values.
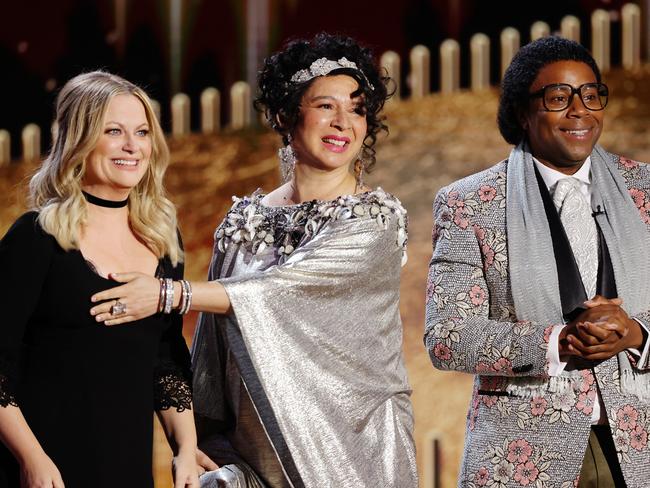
(471, 327)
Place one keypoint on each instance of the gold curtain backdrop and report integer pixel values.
(432, 142)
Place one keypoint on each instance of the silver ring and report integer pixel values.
(118, 308)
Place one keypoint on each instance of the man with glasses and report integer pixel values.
(539, 286)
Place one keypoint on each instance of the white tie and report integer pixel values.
(580, 228)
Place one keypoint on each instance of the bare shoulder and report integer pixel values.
(279, 197)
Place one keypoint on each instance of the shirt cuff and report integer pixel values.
(555, 366)
(646, 347)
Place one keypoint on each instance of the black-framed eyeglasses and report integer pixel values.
(558, 96)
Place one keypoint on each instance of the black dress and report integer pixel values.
(87, 390)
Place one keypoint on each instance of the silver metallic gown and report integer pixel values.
(303, 384)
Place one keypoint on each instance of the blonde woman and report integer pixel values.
(76, 397)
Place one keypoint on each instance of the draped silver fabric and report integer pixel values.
(317, 342)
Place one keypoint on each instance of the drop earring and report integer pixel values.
(287, 160)
(359, 166)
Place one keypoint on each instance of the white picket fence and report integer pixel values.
(418, 79)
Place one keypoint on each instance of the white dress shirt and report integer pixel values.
(556, 366)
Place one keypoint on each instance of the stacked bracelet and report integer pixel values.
(166, 296)
(186, 297)
(169, 295)
(161, 296)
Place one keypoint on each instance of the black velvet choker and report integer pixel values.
(104, 203)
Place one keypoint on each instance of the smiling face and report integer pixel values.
(332, 124)
(121, 156)
(562, 140)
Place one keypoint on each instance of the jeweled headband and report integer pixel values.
(324, 66)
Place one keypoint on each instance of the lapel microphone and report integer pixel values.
(599, 210)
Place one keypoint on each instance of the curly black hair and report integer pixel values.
(279, 98)
(523, 71)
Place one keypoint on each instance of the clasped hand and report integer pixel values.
(601, 331)
(187, 467)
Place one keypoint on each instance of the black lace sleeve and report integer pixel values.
(6, 396)
(25, 254)
(172, 389)
(172, 375)
(7, 387)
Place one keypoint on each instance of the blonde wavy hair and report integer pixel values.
(55, 189)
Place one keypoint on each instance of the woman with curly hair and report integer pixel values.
(76, 398)
(299, 377)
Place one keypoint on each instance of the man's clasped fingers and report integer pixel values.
(592, 334)
(594, 352)
(603, 313)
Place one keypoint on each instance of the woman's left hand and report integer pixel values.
(138, 297)
(185, 470)
(204, 462)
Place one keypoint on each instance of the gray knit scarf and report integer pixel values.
(532, 263)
